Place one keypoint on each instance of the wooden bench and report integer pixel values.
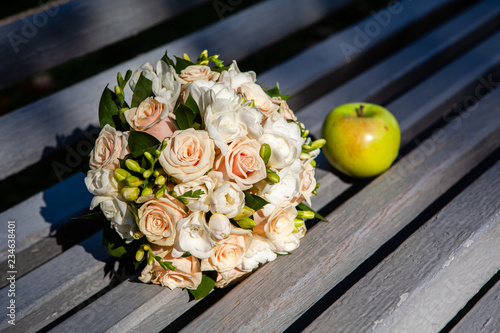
(413, 250)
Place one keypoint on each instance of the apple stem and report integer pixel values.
(361, 107)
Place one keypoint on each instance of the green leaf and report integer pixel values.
(108, 108)
(186, 254)
(191, 103)
(116, 245)
(220, 69)
(184, 117)
(195, 194)
(181, 63)
(143, 89)
(167, 59)
(140, 142)
(254, 201)
(275, 92)
(166, 265)
(303, 206)
(205, 287)
(94, 216)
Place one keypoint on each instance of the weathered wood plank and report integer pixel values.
(49, 291)
(402, 70)
(42, 214)
(432, 275)
(484, 316)
(356, 229)
(57, 33)
(57, 115)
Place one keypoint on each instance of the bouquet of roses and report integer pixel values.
(202, 174)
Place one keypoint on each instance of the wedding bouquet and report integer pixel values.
(202, 173)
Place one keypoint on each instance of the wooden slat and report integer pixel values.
(58, 114)
(356, 229)
(432, 275)
(55, 34)
(174, 305)
(484, 316)
(49, 291)
(401, 70)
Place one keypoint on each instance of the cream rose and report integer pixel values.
(242, 163)
(205, 184)
(234, 275)
(189, 154)
(254, 92)
(259, 252)
(147, 114)
(118, 213)
(284, 109)
(228, 253)
(307, 182)
(158, 218)
(187, 272)
(227, 197)
(193, 236)
(197, 72)
(109, 147)
(284, 139)
(278, 227)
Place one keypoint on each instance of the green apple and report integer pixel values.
(362, 139)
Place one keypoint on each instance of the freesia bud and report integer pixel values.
(247, 223)
(160, 192)
(151, 259)
(137, 235)
(220, 226)
(146, 174)
(149, 157)
(160, 180)
(265, 152)
(130, 193)
(317, 144)
(121, 174)
(132, 165)
(305, 156)
(133, 181)
(272, 176)
(244, 213)
(147, 191)
(313, 163)
(305, 134)
(305, 214)
(139, 255)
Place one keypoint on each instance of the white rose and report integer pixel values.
(284, 139)
(259, 252)
(206, 93)
(119, 214)
(205, 184)
(101, 182)
(287, 189)
(109, 147)
(220, 226)
(254, 92)
(252, 118)
(227, 197)
(189, 154)
(193, 236)
(234, 78)
(278, 226)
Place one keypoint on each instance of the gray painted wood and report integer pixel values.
(484, 316)
(51, 290)
(40, 215)
(54, 34)
(57, 115)
(390, 196)
(432, 275)
(331, 251)
(402, 70)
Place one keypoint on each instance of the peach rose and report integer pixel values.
(278, 227)
(148, 113)
(228, 253)
(242, 163)
(158, 218)
(253, 92)
(187, 272)
(109, 147)
(189, 154)
(284, 109)
(307, 182)
(233, 276)
(197, 72)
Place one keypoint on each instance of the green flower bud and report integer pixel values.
(119, 79)
(265, 152)
(146, 174)
(313, 163)
(272, 176)
(305, 133)
(120, 95)
(130, 193)
(317, 144)
(149, 157)
(305, 214)
(133, 181)
(246, 223)
(139, 255)
(160, 180)
(132, 165)
(137, 235)
(298, 223)
(146, 247)
(151, 259)
(121, 174)
(244, 213)
(160, 192)
(305, 156)
(147, 191)
(156, 173)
